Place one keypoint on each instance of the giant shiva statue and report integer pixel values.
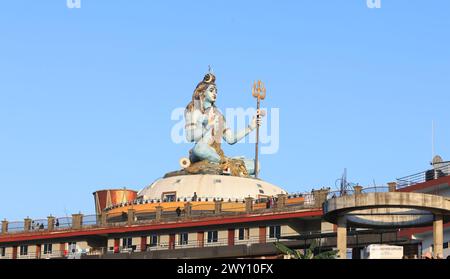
(206, 126)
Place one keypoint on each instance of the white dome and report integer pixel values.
(210, 186)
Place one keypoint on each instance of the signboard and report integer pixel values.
(377, 251)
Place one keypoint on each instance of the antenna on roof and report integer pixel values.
(344, 181)
(67, 216)
(344, 185)
(432, 139)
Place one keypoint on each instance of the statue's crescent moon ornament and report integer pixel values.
(208, 78)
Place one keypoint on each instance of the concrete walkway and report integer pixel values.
(393, 210)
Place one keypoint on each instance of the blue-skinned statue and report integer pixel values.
(206, 127)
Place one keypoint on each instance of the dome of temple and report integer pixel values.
(209, 186)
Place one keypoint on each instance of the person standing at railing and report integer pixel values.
(272, 202)
(178, 211)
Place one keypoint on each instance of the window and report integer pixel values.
(169, 197)
(183, 240)
(23, 250)
(213, 237)
(153, 240)
(446, 245)
(2, 251)
(244, 233)
(127, 242)
(274, 232)
(48, 249)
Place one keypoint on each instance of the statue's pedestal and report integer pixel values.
(209, 186)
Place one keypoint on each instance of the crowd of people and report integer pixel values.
(35, 226)
(271, 202)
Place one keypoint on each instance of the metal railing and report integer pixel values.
(435, 173)
(34, 255)
(63, 223)
(92, 220)
(16, 226)
(375, 189)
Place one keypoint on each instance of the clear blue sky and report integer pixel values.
(86, 94)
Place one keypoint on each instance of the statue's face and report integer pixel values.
(211, 93)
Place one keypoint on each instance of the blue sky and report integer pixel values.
(86, 94)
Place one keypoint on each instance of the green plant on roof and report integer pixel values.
(309, 253)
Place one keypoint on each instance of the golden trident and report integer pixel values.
(259, 92)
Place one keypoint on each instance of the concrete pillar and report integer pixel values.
(248, 205)
(50, 223)
(217, 207)
(187, 210)
(438, 236)
(77, 221)
(27, 224)
(358, 190)
(14, 253)
(143, 243)
(159, 210)
(281, 202)
(4, 226)
(342, 237)
(38, 251)
(131, 216)
(392, 186)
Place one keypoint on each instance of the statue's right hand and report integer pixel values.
(257, 121)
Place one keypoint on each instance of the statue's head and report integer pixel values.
(206, 90)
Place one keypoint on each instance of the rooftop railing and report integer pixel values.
(441, 170)
(375, 189)
(54, 254)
